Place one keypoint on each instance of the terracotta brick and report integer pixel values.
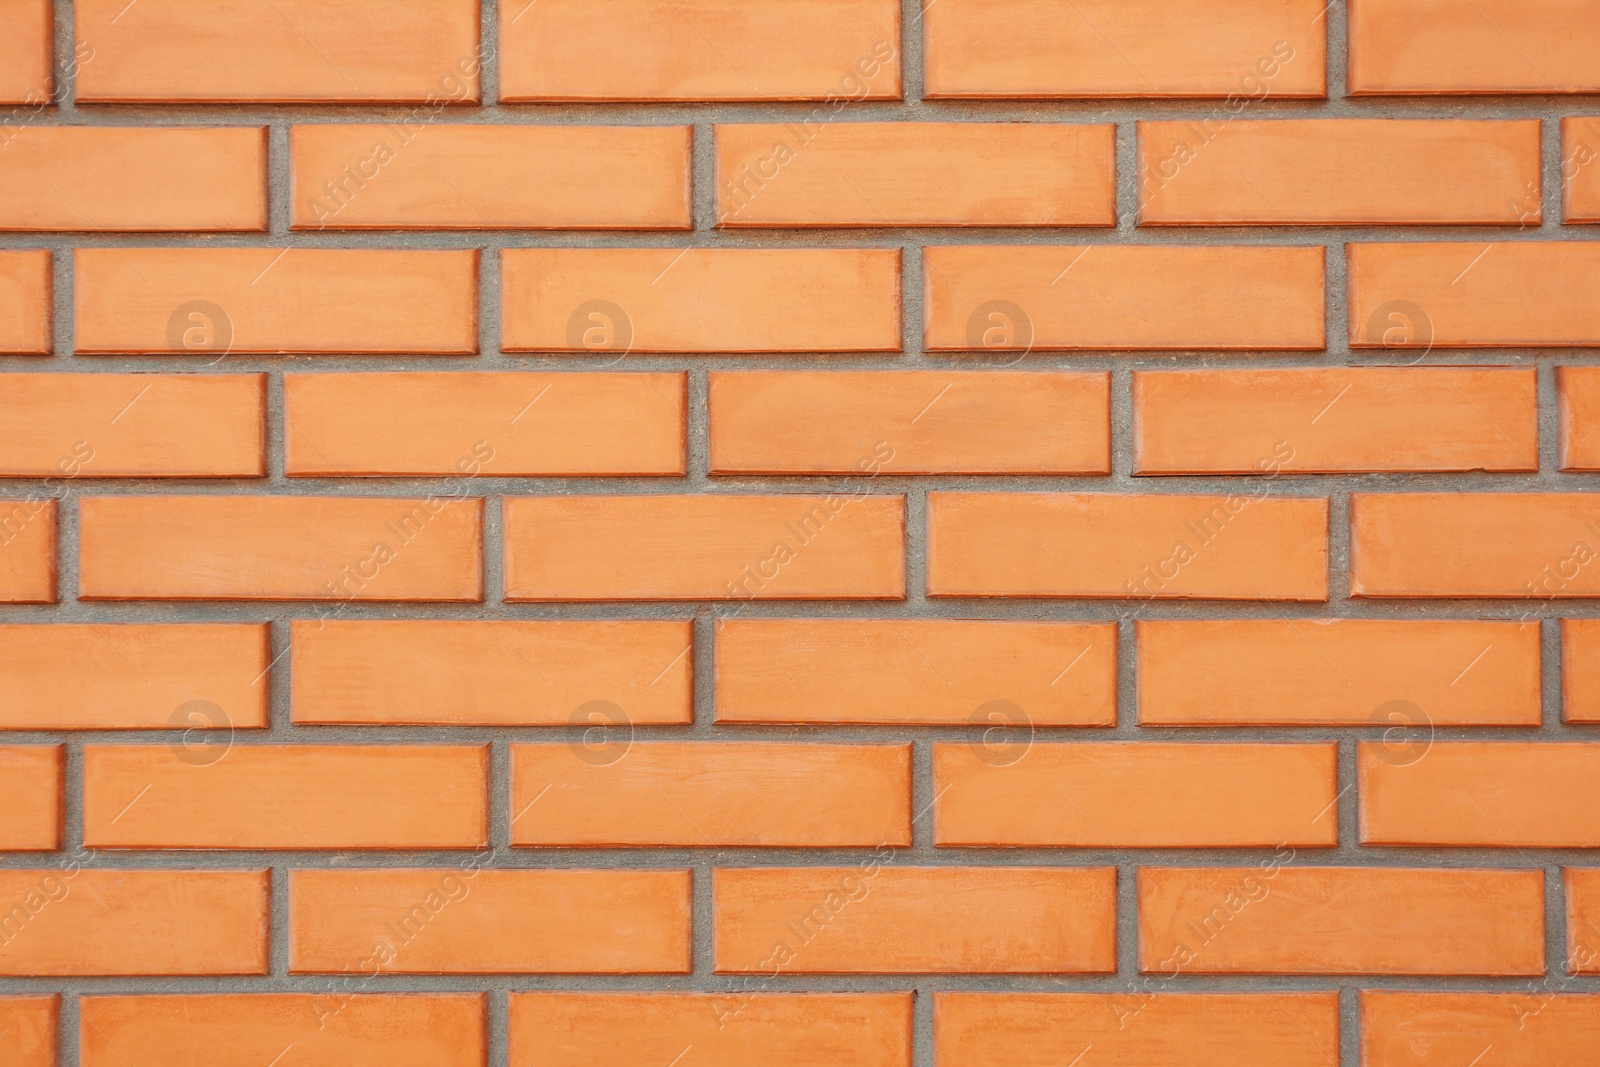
(25, 55)
(1276, 919)
(1400, 1028)
(25, 298)
(700, 50)
(910, 422)
(477, 422)
(132, 425)
(286, 796)
(471, 177)
(475, 921)
(1136, 1028)
(1578, 408)
(1582, 890)
(30, 794)
(281, 51)
(1233, 547)
(741, 794)
(166, 922)
(1034, 49)
(918, 671)
(1580, 670)
(1474, 46)
(212, 301)
(106, 178)
(1017, 298)
(65, 676)
(620, 300)
(1580, 169)
(878, 919)
(725, 1029)
(1535, 545)
(332, 1029)
(1340, 172)
(1144, 795)
(1355, 419)
(30, 1025)
(28, 550)
(829, 173)
(1347, 672)
(843, 546)
(1479, 294)
(510, 673)
(280, 548)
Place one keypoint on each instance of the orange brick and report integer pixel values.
(471, 177)
(725, 1029)
(25, 299)
(99, 178)
(1345, 672)
(1535, 545)
(1406, 1029)
(280, 548)
(1201, 1030)
(69, 920)
(286, 796)
(1580, 169)
(475, 921)
(1580, 670)
(910, 422)
(1582, 889)
(133, 425)
(212, 301)
(1355, 419)
(279, 51)
(1274, 919)
(491, 672)
(877, 919)
(1017, 298)
(1234, 547)
(477, 422)
(918, 671)
(844, 546)
(332, 1029)
(1578, 407)
(30, 794)
(26, 48)
(617, 300)
(828, 173)
(28, 550)
(1144, 795)
(1478, 294)
(741, 794)
(133, 677)
(839, 50)
(1474, 46)
(30, 1025)
(1339, 171)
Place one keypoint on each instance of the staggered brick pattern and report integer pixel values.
(799, 533)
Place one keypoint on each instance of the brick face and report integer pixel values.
(25, 303)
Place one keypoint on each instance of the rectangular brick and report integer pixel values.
(212, 301)
(1535, 545)
(279, 51)
(482, 423)
(717, 547)
(838, 50)
(28, 550)
(1580, 670)
(1136, 1028)
(1582, 889)
(695, 300)
(1474, 46)
(472, 177)
(133, 425)
(26, 50)
(1232, 547)
(475, 921)
(1145, 795)
(332, 1029)
(1334, 420)
(1340, 920)
(1580, 169)
(950, 671)
(1019, 298)
(65, 676)
(74, 921)
(286, 796)
(828, 173)
(1341, 672)
(30, 1025)
(1401, 1028)
(25, 298)
(502, 672)
(31, 778)
(876, 919)
(110, 178)
(909, 422)
(733, 1029)
(1339, 172)
(1578, 409)
(604, 790)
